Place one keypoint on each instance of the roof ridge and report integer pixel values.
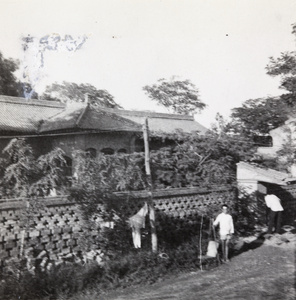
(82, 114)
(33, 102)
(153, 114)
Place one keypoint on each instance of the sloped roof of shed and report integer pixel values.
(264, 174)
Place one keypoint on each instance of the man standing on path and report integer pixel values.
(225, 222)
(275, 208)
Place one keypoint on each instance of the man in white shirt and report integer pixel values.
(225, 222)
(275, 212)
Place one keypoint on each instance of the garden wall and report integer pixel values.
(58, 225)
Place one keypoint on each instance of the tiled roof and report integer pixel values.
(163, 122)
(84, 117)
(107, 121)
(65, 119)
(24, 116)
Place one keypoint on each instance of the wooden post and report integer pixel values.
(23, 231)
(150, 186)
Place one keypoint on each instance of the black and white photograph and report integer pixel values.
(147, 149)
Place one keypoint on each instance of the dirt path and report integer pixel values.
(266, 272)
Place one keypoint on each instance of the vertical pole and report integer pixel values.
(200, 248)
(150, 186)
(23, 232)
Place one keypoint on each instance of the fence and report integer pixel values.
(58, 225)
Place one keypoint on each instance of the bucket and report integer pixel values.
(212, 250)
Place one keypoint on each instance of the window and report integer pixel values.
(91, 152)
(263, 141)
(107, 151)
(122, 150)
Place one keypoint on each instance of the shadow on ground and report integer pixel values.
(246, 246)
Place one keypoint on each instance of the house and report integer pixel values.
(80, 126)
(279, 136)
(285, 134)
(254, 178)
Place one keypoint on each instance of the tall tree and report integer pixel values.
(200, 160)
(285, 67)
(23, 174)
(181, 96)
(9, 85)
(70, 91)
(259, 116)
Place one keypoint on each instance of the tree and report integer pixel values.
(285, 67)
(8, 83)
(196, 160)
(181, 96)
(259, 116)
(17, 168)
(25, 176)
(70, 91)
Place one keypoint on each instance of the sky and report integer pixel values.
(221, 46)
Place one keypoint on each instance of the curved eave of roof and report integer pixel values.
(14, 128)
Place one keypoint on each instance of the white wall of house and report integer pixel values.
(246, 182)
(279, 136)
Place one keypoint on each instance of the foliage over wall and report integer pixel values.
(24, 175)
(193, 160)
(199, 160)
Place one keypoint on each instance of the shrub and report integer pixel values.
(123, 270)
(250, 212)
(18, 282)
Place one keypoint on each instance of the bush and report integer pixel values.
(132, 268)
(18, 282)
(250, 212)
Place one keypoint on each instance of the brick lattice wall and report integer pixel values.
(55, 228)
(58, 225)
